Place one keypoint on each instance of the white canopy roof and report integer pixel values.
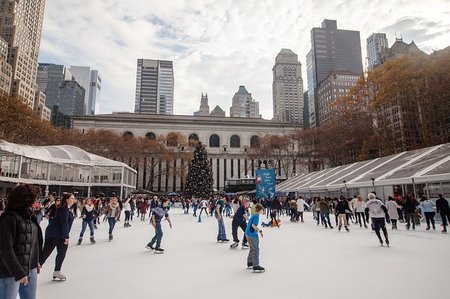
(431, 164)
(59, 154)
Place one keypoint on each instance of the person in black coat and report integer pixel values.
(57, 234)
(20, 244)
(443, 209)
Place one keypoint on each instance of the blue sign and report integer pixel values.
(265, 183)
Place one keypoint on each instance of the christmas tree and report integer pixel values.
(199, 181)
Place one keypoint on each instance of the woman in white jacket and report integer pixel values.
(360, 206)
(392, 207)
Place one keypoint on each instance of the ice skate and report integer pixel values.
(59, 276)
(346, 228)
(387, 243)
(110, 238)
(258, 269)
(244, 246)
(79, 241)
(149, 246)
(159, 250)
(234, 245)
(92, 240)
(249, 266)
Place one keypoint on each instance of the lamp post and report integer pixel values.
(345, 188)
(373, 183)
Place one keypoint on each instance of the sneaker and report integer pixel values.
(245, 246)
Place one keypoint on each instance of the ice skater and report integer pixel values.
(377, 212)
(87, 213)
(443, 209)
(57, 234)
(360, 207)
(251, 232)
(341, 210)
(392, 208)
(218, 213)
(113, 212)
(157, 216)
(240, 219)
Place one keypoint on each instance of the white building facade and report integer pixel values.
(227, 141)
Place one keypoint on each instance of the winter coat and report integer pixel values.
(324, 207)
(20, 244)
(59, 227)
(442, 206)
(392, 207)
(342, 206)
(88, 211)
(359, 206)
(410, 206)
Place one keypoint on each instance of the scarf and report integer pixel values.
(89, 208)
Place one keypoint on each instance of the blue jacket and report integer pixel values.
(59, 227)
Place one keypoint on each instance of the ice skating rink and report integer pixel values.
(302, 260)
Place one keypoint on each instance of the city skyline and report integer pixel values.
(216, 46)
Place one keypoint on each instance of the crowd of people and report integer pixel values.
(25, 249)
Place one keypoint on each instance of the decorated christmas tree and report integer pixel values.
(199, 181)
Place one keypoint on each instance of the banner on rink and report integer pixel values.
(265, 183)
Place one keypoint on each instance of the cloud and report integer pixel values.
(216, 45)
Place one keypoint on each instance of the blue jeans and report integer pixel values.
(253, 254)
(111, 222)
(9, 287)
(83, 227)
(222, 234)
(158, 235)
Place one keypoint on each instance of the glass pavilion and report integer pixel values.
(63, 168)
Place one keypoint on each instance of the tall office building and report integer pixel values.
(287, 88)
(337, 85)
(92, 84)
(376, 44)
(154, 86)
(332, 49)
(63, 95)
(243, 105)
(21, 27)
(5, 68)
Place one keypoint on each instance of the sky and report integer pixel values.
(218, 45)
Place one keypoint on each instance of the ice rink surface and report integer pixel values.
(302, 260)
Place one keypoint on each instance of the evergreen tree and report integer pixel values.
(199, 181)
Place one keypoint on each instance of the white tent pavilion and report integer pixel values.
(422, 171)
(63, 166)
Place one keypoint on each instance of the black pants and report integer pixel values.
(410, 219)
(127, 215)
(61, 249)
(360, 215)
(379, 223)
(445, 219)
(234, 231)
(429, 216)
(394, 223)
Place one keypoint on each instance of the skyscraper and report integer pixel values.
(64, 96)
(332, 49)
(376, 43)
(21, 28)
(92, 84)
(244, 105)
(287, 88)
(154, 86)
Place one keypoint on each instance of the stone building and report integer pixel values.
(227, 141)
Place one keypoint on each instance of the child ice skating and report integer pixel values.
(240, 220)
(251, 232)
(157, 216)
